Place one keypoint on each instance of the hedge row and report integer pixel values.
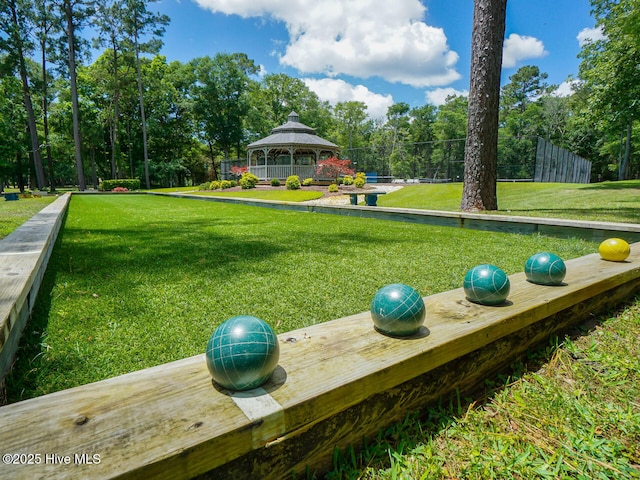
(128, 183)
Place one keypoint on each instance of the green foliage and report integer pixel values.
(215, 185)
(293, 182)
(224, 184)
(307, 182)
(359, 182)
(128, 183)
(248, 180)
(275, 182)
(204, 186)
(333, 188)
(347, 180)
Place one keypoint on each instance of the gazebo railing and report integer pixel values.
(281, 172)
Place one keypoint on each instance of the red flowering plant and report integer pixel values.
(334, 167)
(120, 189)
(238, 171)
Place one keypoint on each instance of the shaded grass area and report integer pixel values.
(280, 195)
(606, 201)
(570, 411)
(15, 213)
(136, 281)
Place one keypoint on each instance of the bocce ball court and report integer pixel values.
(336, 382)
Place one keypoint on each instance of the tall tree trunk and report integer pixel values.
(623, 171)
(481, 148)
(45, 116)
(31, 118)
(115, 141)
(143, 118)
(74, 94)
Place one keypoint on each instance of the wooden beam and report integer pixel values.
(24, 255)
(336, 383)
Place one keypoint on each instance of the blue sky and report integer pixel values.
(375, 51)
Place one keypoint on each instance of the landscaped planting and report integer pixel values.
(137, 281)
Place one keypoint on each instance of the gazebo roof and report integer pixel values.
(293, 134)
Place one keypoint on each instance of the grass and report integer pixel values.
(572, 411)
(136, 281)
(606, 201)
(15, 213)
(280, 195)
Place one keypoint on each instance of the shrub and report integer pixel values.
(307, 181)
(248, 180)
(359, 182)
(293, 182)
(128, 183)
(275, 182)
(233, 183)
(334, 167)
(238, 171)
(215, 185)
(347, 180)
(224, 184)
(205, 186)
(333, 188)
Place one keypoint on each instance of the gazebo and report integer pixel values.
(292, 149)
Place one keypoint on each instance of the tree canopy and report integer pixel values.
(66, 119)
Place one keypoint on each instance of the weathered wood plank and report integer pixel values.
(336, 382)
(24, 254)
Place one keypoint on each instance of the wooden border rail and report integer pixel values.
(336, 383)
(24, 255)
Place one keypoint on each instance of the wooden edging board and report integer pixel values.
(24, 255)
(556, 227)
(336, 383)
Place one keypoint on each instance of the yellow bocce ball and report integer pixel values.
(614, 250)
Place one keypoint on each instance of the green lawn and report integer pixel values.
(15, 213)
(136, 281)
(607, 201)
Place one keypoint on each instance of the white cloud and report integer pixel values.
(361, 38)
(565, 89)
(334, 91)
(439, 96)
(587, 35)
(521, 47)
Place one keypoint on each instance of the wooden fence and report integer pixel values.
(556, 164)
